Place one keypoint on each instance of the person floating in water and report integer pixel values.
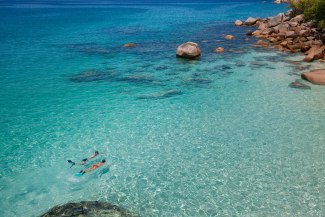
(84, 161)
(93, 167)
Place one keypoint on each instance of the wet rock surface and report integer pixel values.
(315, 76)
(188, 50)
(88, 209)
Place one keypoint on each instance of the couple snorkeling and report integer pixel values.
(84, 161)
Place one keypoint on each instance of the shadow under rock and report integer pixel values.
(161, 95)
(141, 79)
(93, 75)
(90, 49)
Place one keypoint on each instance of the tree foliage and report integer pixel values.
(312, 10)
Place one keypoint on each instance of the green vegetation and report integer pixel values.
(312, 10)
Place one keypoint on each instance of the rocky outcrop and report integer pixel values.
(315, 76)
(88, 209)
(250, 21)
(261, 43)
(188, 50)
(274, 21)
(280, 1)
(287, 33)
(315, 52)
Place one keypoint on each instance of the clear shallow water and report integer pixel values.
(234, 139)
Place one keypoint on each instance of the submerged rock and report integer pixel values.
(160, 95)
(229, 37)
(88, 209)
(299, 85)
(130, 45)
(188, 50)
(261, 43)
(89, 48)
(141, 79)
(219, 50)
(225, 67)
(315, 76)
(161, 68)
(199, 81)
(89, 76)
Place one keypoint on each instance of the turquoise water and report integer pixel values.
(220, 136)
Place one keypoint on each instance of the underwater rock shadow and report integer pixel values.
(299, 85)
(92, 75)
(196, 82)
(141, 80)
(161, 95)
(90, 49)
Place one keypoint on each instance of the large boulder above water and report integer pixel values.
(88, 209)
(274, 21)
(315, 76)
(188, 50)
(298, 18)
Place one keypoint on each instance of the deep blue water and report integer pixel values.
(222, 135)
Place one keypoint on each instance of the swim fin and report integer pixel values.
(72, 163)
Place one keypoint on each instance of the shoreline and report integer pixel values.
(292, 34)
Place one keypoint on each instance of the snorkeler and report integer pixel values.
(93, 167)
(84, 161)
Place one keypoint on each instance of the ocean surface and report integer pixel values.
(220, 136)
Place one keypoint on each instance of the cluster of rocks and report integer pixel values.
(284, 32)
(191, 50)
(280, 1)
(88, 209)
(287, 33)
